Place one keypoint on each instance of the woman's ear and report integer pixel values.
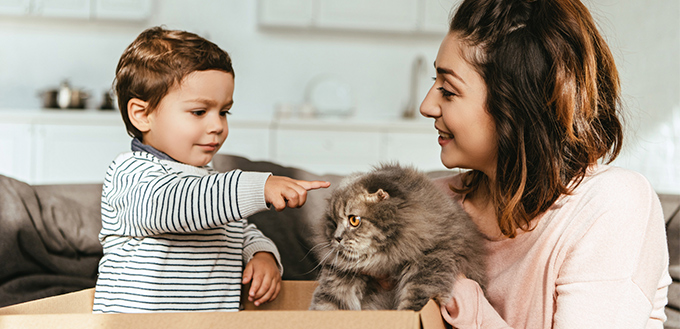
(138, 115)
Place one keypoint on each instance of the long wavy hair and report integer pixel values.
(553, 92)
(159, 59)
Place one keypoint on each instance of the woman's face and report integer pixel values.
(457, 103)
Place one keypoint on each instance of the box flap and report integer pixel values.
(289, 310)
(75, 302)
(431, 317)
(268, 319)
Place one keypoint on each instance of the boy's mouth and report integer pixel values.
(209, 146)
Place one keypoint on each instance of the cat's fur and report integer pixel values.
(411, 235)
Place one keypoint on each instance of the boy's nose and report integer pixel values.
(216, 126)
(429, 107)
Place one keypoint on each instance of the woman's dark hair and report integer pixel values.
(553, 92)
(158, 60)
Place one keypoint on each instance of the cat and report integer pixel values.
(391, 239)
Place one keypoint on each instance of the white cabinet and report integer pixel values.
(297, 13)
(125, 10)
(15, 7)
(57, 147)
(401, 16)
(77, 153)
(326, 149)
(62, 8)
(15, 150)
(250, 139)
(385, 15)
(419, 149)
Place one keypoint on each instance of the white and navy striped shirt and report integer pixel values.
(175, 236)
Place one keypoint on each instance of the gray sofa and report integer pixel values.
(49, 246)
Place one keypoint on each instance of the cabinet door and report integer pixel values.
(332, 152)
(15, 7)
(63, 8)
(131, 10)
(384, 15)
(250, 142)
(436, 14)
(420, 150)
(15, 151)
(297, 13)
(77, 154)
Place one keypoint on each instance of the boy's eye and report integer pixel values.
(354, 221)
(198, 112)
(224, 112)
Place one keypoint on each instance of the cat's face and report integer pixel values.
(357, 227)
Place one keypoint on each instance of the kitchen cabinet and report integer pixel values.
(16, 150)
(326, 148)
(395, 16)
(126, 10)
(123, 10)
(15, 7)
(62, 8)
(384, 15)
(77, 146)
(296, 13)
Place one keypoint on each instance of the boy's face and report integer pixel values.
(190, 123)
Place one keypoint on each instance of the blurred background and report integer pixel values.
(326, 85)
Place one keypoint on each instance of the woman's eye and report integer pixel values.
(445, 92)
(354, 221)
(198, 112)
(224, 113)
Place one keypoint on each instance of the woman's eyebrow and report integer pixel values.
(442, 70)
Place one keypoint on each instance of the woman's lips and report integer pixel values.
(444, 138)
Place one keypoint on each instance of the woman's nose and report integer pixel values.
(429, 107)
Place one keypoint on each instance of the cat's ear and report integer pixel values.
(382, 195)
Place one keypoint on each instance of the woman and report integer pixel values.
(527, 97)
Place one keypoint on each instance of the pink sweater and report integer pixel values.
(597, 259)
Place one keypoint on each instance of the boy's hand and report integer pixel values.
(280, 191)
(263, 270)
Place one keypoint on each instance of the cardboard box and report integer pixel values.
(289, 310)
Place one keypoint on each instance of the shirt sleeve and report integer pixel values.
(144, 199)
(615, 274)
(255, 241)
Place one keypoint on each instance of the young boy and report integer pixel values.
(174, 231)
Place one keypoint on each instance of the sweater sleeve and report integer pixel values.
(469, 309)
(614, 273)
(142, 198)
(255, 241)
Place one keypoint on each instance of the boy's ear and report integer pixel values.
(137, 113)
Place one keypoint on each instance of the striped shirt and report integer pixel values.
(175, 236)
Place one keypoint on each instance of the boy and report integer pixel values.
(174, 231)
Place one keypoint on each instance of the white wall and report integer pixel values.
(273, 67)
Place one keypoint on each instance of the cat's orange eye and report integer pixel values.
(354, 220)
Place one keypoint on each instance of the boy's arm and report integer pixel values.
(142, 198)
(255, 241)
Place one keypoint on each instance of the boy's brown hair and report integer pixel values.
(159, 59)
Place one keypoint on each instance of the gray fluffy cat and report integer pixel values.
(393, 223)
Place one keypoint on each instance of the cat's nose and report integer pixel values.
(338, 238)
